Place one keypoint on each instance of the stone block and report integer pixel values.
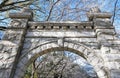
(112, 57)
(115, 73)
(115, 50)
(81, 49)
(71, 45)
(116, 42)
(92, 45)
(99, 15)
(112, 65)
(87, 52)
(98, 66)
(27, 44)
(102, 24)
(24, 59)
(66, 44)
(101, 73)
(22, 15)
(60, 33)
(105, 31)
(105, 49)
(14, 36)
(76, 46)
(1, 46)
(95, 61)
(82, 39)
(4, 73)
(19, 73)
(105, 37)
(102, 19)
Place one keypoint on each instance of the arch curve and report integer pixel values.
(82, 50)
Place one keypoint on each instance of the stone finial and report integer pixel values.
(96, 13)
(26, 13)
(26, 9)
(94, 10)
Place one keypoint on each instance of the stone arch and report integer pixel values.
(82, 50)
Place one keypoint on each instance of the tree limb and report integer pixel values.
(50, 12)
(114, 13)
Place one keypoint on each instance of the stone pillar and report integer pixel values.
(12, 43)
(103, 27)
(111, 58)
(106, 38)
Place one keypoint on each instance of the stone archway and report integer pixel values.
(97, 33)
(85, 52)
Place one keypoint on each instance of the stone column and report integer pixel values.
(12, 43)
(106, 38)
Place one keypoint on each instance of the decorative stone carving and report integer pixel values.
(19, 23)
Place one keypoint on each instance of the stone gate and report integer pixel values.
(25, 40)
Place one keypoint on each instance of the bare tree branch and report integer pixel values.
(4, 6)
(114, 13)
(50, 12)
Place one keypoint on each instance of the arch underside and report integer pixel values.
(89, 54)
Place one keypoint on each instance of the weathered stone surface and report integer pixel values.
(14, 36)
(18, 23)
(115, 73)
(112, 57)
(1, 46)
(101, 74)
(66, 33)
(83, 40)
(112, 65)
(7, 57)
(99, 15)
(94, 40)
(105, 31)
(115, 50)
(61, 42)
(104, 37)
(116, 42)
(105, 49)
(104, 23)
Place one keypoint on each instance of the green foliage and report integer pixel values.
(28, 72)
